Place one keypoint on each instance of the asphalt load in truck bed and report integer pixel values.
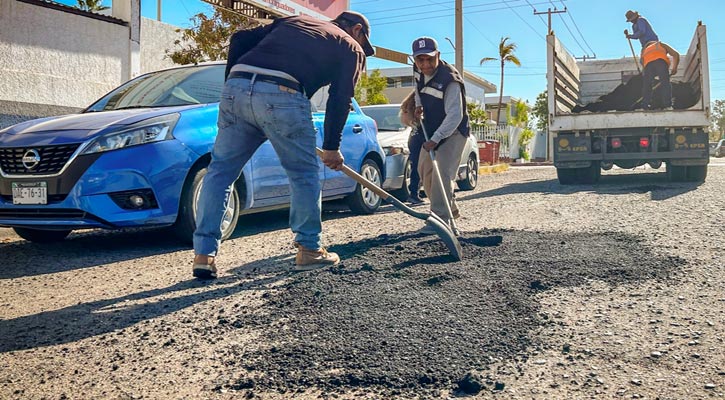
(628, 97)
(398, 316)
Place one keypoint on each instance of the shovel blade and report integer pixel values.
(445, 233)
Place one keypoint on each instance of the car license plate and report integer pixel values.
(30, 193)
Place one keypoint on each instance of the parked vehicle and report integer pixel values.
(585, 143)
(717, 149)
(393, 137)
(137, 156)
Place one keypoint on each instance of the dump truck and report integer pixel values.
(596, 120)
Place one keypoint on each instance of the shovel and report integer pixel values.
(432, 220)
(633, 55)
(439, 181)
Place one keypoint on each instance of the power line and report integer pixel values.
(470, 23)
(526, 22)
(580, 32)
(534, 8)
(572, 35)
(435, 16)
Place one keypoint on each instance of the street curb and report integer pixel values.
(492, 169)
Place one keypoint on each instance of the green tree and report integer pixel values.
(541, 111)
(505, 55)
(91, 5)
(520, 118)
(208, 38)
(369, 89)
(476, 115)
(718, 120)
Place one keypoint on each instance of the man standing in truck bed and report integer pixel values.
(641, 29)
(656, 61)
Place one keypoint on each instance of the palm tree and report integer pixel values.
(505, 54)
(91, 5)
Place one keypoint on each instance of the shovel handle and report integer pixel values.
(634, 55)
(360, 179)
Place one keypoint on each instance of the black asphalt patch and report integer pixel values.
(398, 316)
(628, 97)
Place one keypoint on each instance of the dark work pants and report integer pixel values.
(657, 68)
(415, 143)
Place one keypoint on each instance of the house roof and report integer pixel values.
(73, 10)
(469, 77)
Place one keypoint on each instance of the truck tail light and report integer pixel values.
(644, 142)
(616, 143)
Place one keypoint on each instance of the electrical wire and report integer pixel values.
(540, 17)
(578, 30)
(434, 16)
(526, 22)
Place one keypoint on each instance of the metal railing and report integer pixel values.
(503, 133)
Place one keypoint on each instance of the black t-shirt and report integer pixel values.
(316, 53)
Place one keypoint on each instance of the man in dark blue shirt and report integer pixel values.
(272, 71)
(641, 29)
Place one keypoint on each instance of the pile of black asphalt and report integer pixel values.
(399, 316)
(628, 97)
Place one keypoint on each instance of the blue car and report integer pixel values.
(137, 157)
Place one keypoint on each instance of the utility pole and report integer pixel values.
(549, 12)
(459, 36)
(158, 10)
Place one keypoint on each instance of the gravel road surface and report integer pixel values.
(614, 290)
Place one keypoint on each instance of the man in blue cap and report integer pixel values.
(266, 97)
(440, 96)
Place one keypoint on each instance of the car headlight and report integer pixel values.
(148, 131)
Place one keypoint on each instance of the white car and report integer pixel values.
(393, 138)
(717, 149)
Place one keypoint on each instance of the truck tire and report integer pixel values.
(676, 173)
(591, 175)
(575, 176)
(696, 173)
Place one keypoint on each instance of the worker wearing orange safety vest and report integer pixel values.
(656, 61)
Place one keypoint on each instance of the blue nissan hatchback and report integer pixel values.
(137, 157)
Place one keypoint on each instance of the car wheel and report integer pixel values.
(185, 224)
(471, 179)
(363, 200)
(403, 193)
(41, 235)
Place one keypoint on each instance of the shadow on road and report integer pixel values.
(657, 184)
(89, 319)
(86, 249)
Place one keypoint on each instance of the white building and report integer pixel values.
(400, 84)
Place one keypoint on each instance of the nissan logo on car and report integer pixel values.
(31, 159)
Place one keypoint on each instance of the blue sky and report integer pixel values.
(597, 28)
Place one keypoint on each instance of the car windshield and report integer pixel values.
(386, 117)
(173, 87)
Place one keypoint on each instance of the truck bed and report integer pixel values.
(572, 83)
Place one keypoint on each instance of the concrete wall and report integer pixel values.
(156, 38)
(54, 62)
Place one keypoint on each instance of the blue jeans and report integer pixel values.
(415, 143)
(249, 114)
